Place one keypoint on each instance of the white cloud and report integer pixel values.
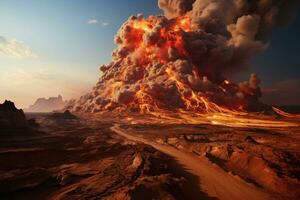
(105, 23)
(15, 49)
(92, 21)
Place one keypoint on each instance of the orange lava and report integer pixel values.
(198, 108)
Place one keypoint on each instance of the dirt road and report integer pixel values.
(214, 181)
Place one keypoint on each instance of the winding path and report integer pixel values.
(214, 181)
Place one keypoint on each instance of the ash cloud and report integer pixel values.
(216, 15)
(179, 61)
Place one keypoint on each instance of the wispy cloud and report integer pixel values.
(15, 49)
(92, 21)
(105, 23)
(95, 21)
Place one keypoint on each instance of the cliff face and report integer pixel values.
(10, 116)
(47, 105)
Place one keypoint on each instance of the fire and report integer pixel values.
(116, 84)
(183, 23)
(144, 102)
(226, 82)
(171, 38)
(155, 71)
(142, 25)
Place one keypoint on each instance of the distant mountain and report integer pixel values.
(47, 105)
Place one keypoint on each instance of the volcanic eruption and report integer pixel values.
(179, 61)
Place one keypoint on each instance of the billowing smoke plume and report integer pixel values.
(216, 15)
(179, 61)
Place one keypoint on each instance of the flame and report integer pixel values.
(192, 100)
(117, 84)
(226, 82)
(172, 37)
(183, 23)
(198, 102)
(144, 102)
(197, 107)
(142, 25)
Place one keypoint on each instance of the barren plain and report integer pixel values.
(80, 158)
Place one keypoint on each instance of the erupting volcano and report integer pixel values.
(178, 62)
(166, 119)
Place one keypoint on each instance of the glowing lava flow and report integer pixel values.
(169, 69)
(204, 111)
(285, 114)
(198, 109)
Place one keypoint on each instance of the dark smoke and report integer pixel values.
(165, 61)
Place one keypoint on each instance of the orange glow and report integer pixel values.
(142, 25)
(172, 38)
(144, 102)
(285, 114)
(183, 23)
(116, 84)
(197, 102)
(196, 107)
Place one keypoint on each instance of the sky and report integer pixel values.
(51, 47)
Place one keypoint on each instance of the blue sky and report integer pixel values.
(61, 51)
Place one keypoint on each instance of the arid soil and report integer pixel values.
(76, 158)
(266, 159)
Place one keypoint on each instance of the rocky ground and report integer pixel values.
(268, 159)
(74, 159)
(67, 157)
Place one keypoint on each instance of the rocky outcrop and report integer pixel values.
(11, 117)
(65, 115)
(47, 105)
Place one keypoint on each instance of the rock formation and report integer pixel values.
(11, 117)
(65, 115)
(47, 105)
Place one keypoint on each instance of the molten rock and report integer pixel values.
(179, 61)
